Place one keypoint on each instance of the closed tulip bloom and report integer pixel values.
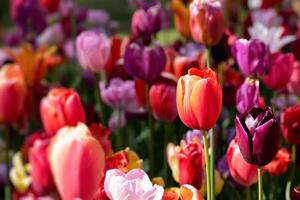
(134, 185)
(294, 84)
(42, 180)
(258, 135)
(143, 62)
(92, 50)
(190, 165)
(77, 162)
(247, 95)
(280, 164)
(163, 100)
(241, 171)
(252, 56)
(181, 17)
(12, 93)
(290, 123)
(280, 71)
(199, 99)
(206, 21)
(61, 107)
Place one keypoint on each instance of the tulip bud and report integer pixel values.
(77, 162)
(279, 165)
(247, 95)
(12, 93)
(42, 180)
(61, 107)
(199, 99)
(163, 100)
(92, 50)
(206, 21)
(241, 171)
(280, 71)
(252, 56)
(258, 135)
(144, 62)
(290, 123)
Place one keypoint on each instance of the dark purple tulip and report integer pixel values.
(148, 21)
(247, 95)
(258, 135)
(252, 56)
(144, 62)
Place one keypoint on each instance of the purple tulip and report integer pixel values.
(258, 135)
(144, 62)
(192, 136)
(148, 21)
(92, 50)
(247, 95)
(252, 56)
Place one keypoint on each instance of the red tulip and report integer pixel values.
(190, 160)
(294, 84)
(61, 107)
(199, 99)
(182, 64)
(50, 5)
(206, 21)
(12, 93)
(42, 180)
(163, 100)
(101, 133)
(77, 162)
(241, 171)
(290, 123)
(279, 165)
(280, 71)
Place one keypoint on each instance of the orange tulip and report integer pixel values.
(199, 99)
(61, 107)
(77, 162)
(12, 93)
(182, 17)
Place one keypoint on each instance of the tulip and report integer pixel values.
(290, 123)
(185, 192)
(77, 162)
(242, 172)
(163, 100)
(206, 21)
(102, 134)
(182, 64)
(190, 165)
(92, 50)
(280, 71)
(294, 84)
(61, 107)
(50, 5)
(199, 99)
(279, 165)
(118, 185)
(148, 21)
(181, 17)
(12, 93)
(258, 135)
(252, 56)
(144, 62)
(42, 180)
(247, 95)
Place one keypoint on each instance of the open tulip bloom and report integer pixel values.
(149, 100)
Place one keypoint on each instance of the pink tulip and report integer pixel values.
(77, 162)
(12, 93)
(135, 185)
(92, 50)
(294, 84)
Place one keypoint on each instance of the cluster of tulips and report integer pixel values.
(208, 109)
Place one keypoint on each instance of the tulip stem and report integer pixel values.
(7, 161)
(212, 162)
(208, 56)
(260, 184)
(248, 193)
(292, 173)
(150, 124)
(207, 165)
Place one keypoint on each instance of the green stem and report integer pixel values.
(207, 165)
(208, 56)
(150, 138)
(212, 162)
(260, 184)
(7, 162)
(292, 173)
(248, 193)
